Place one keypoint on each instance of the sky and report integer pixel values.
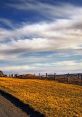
(39, 36)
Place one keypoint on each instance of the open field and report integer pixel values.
(49, 97)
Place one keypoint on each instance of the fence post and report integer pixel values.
(78, 75)
(39, 74)
(81, 79)
(68, 78)
(54, 76)
(46, 75)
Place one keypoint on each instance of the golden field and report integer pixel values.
(49, 97)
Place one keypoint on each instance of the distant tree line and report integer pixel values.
(2, 74)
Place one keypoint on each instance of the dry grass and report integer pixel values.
(49, 97)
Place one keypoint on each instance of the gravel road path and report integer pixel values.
(7, 109)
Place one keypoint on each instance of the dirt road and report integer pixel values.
(7, 109)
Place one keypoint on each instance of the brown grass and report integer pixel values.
(49, 97)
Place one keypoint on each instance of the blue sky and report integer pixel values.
(41, 36)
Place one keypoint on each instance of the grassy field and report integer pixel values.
(49, 97)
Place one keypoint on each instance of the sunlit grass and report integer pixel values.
(49, 97)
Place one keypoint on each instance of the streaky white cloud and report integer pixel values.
(45, 8)
(16, 68)
(59, 67)
(7, 22)
(61, 35)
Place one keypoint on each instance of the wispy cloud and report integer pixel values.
(58, 67)
(6, 22)
(61, 35)
(48, 10)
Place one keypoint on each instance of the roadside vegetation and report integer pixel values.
(49, 97)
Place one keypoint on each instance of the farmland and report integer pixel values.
(49, 97)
